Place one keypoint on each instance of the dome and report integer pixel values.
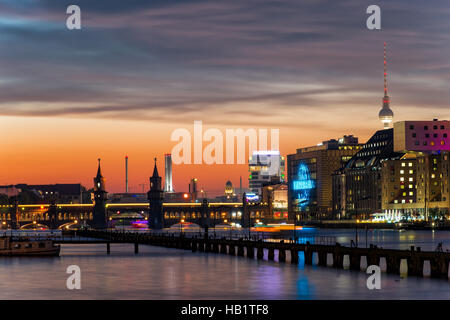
(229, 184)
(386, 112)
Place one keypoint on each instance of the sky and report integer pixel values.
(138, 70)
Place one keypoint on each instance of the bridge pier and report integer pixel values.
(223, 248)
(108, 248)
(240, 251)
(250, 252)
(231, 249)
(308, 255)
(281, 255)
(260, 252)
(294, 256)
(271, 255)
(194, 246)
(136, 248)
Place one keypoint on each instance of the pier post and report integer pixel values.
(404, 267)
(383, 264)
(250, 252)
(240, 251)
(231, 250)
(260, 253)
(329, 259)
(281, 255)
(271, 255)
(427, 268)
(223, 248)
(136, 248)
(308, 256)
(346, 262)
(294, 256)
(363, 263)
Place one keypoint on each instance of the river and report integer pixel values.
(163, 273)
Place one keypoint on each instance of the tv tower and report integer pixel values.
(386, 115)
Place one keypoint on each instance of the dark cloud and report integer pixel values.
(142, 60)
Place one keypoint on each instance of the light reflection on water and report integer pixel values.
(392, 239)
(162, 273)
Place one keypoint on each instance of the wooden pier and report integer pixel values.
(413, 262)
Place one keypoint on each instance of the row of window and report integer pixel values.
(435, 127)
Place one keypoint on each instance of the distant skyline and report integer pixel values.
(140, 69)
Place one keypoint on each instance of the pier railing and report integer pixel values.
(404, 262)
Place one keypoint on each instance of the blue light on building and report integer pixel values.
(303, 185)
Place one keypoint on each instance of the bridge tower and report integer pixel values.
(52, 214)
(245, 218)
(100, 198)
(155, 197)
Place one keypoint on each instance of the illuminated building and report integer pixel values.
(422, 136)
(401, 172)
(276, 197)
(310, 175)
(386, 115)
(229, 190)
(357, 186)
(168, 187)
(264, 167)
(193, 189)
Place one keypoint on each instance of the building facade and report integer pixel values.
(357, 189)
(265, 167)
(310, 176)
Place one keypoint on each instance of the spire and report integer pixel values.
(99, 171)
(386, 115)
(155, 170)
(385, 72)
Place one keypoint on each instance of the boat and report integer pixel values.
(10, 246)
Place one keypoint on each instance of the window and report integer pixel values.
(41, 245)
(402, 171)
(410, 164)
(425, 127)
(411, 127)
(414, 135)
(403, 164)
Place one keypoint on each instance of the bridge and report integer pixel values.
(60, 215)
(101, 213)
